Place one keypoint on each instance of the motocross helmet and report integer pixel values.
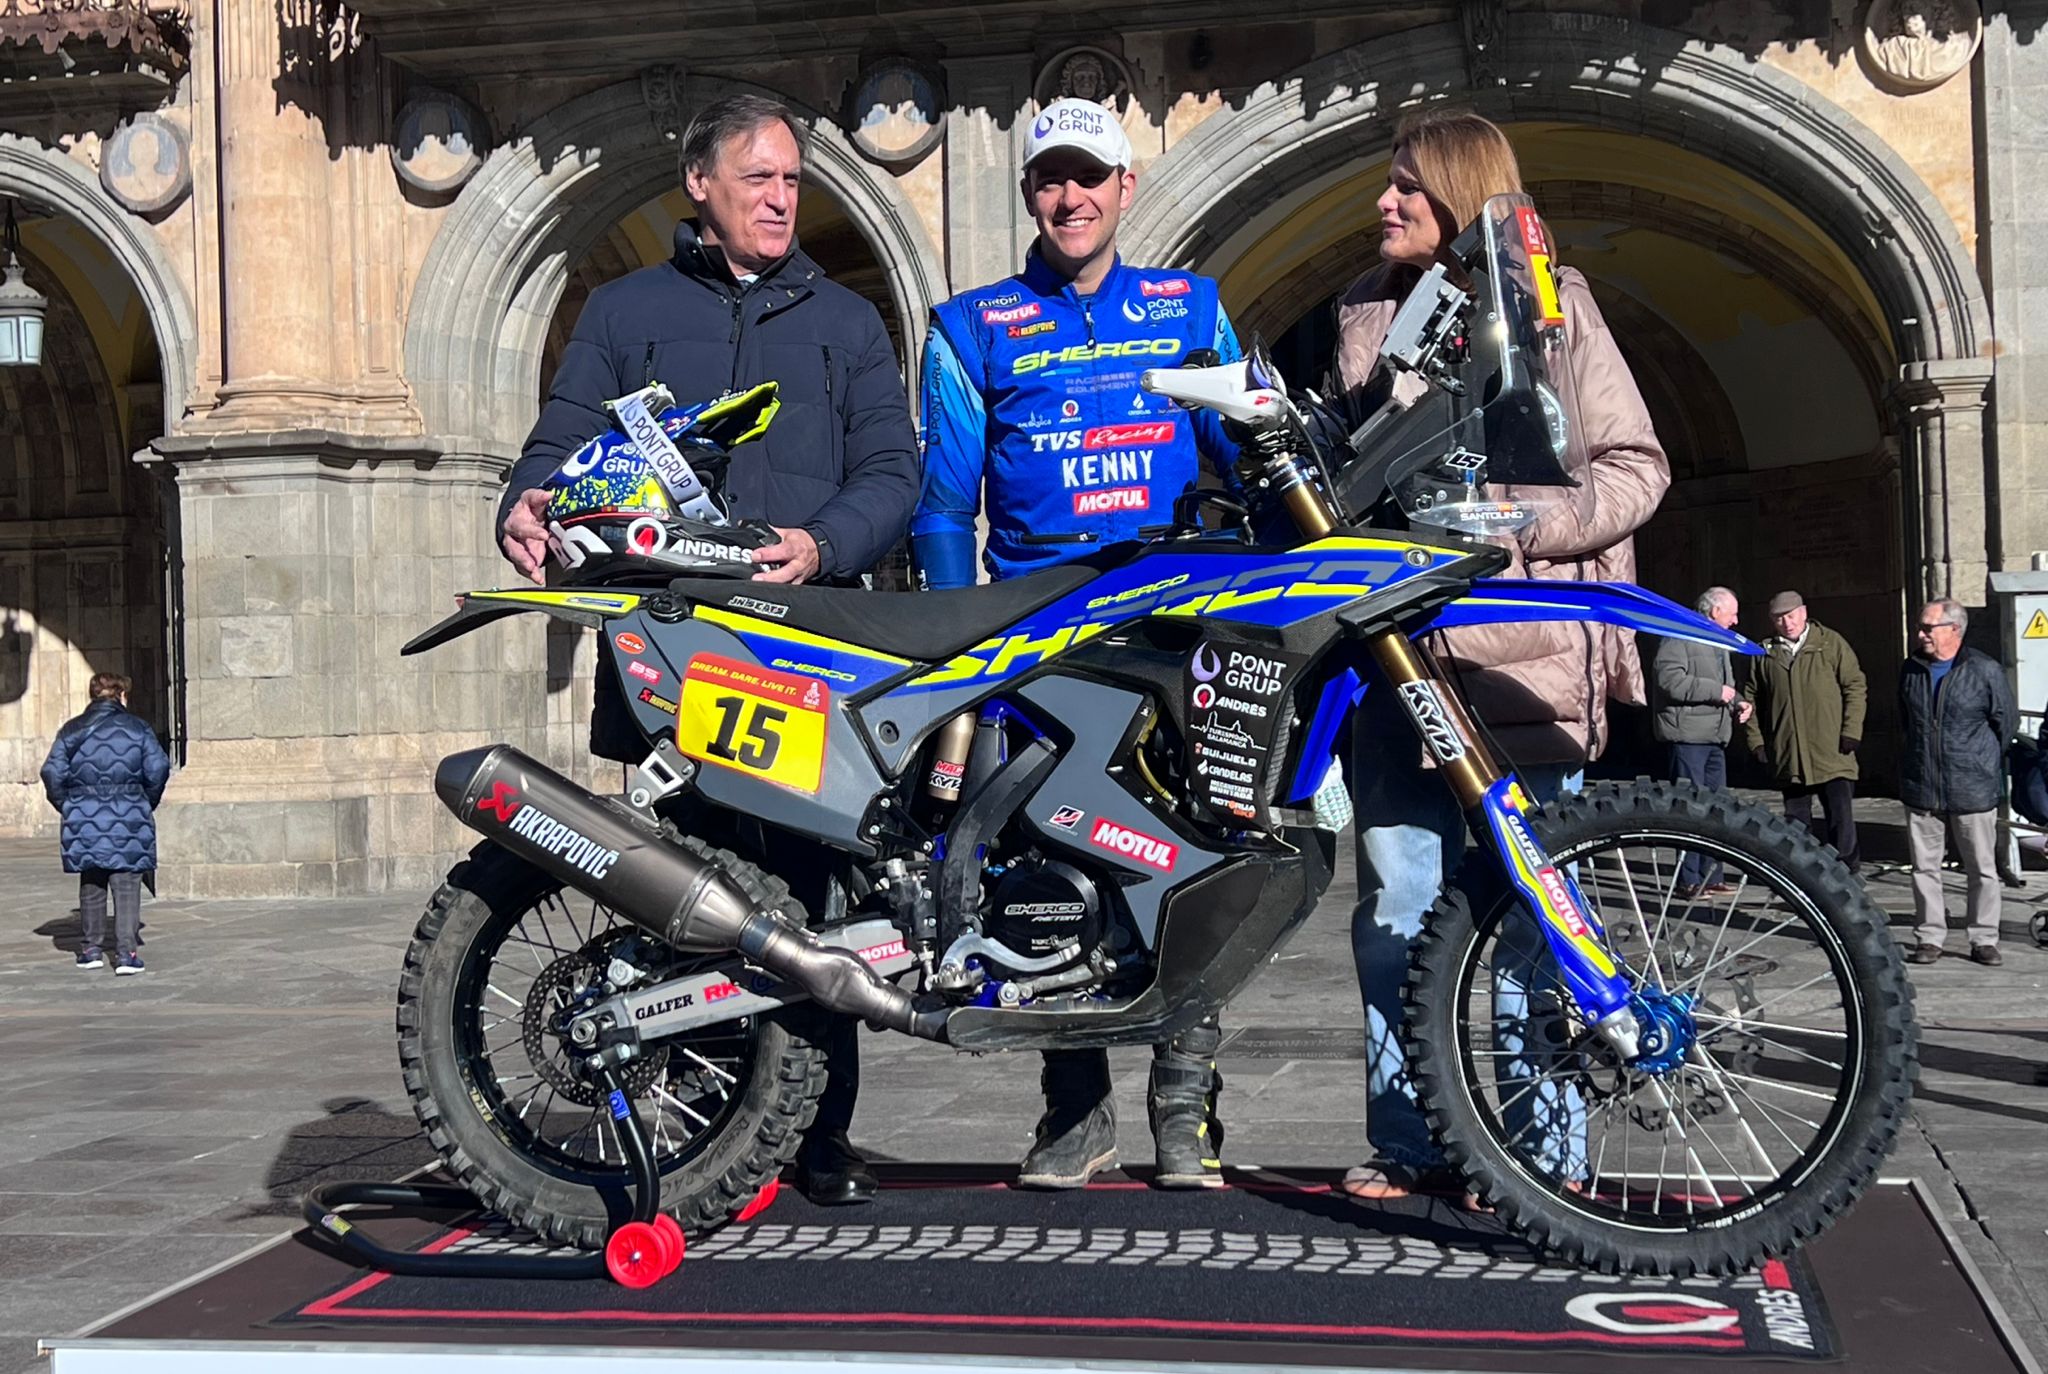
(653, 507)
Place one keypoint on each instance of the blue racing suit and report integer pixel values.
(1031, 395)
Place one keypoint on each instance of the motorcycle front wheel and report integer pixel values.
(1775, 1103)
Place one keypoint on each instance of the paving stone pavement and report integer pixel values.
(157, 1125)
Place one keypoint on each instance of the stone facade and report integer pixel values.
(307, 261)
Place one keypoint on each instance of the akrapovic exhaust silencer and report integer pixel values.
(602, 850)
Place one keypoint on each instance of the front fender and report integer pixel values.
(1510, 601)
(475, 609)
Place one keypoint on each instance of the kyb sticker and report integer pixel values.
(1428, 710)
(1134, 844)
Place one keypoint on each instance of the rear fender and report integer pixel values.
(474, 609)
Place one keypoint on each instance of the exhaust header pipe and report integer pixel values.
(603, 851)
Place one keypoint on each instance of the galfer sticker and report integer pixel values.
(1134, 844)
(753, 720)
(1428, 710)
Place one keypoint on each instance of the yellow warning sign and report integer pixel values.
(2037, 628)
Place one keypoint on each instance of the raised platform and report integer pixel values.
(951, 1268)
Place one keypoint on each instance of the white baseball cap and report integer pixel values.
(1081, 125)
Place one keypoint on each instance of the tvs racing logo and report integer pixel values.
(1128, 436)
(1134, 844)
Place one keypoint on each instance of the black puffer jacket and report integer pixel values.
(1954, 756)
(840, 459)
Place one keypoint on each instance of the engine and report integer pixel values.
(1043, 905)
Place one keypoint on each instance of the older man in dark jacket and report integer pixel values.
(1958, 714)
(1809, 693)
(836, 474)
(1692, 686)
(740, 304)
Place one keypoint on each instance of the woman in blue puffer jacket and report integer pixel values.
(105, 774)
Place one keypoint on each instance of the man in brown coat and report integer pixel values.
(1809, 693)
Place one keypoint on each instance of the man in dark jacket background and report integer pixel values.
(1692, 687)
(836, 474)
(1958, 714)
(1809, 693)
(105, 774)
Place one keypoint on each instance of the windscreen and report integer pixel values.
(1511, 448)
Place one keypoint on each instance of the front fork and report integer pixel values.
(1497, 808)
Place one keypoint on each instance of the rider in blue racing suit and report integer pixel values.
(1031, 395)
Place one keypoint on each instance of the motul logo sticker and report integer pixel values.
(1114, 499)
(1128, 436)
(1172, 286)
(1134, 844)
(1016, 314)
(874, 954)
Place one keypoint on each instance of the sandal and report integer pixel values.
(1382, 1180)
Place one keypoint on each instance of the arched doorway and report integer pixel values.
(88, 536)
(1721, 212)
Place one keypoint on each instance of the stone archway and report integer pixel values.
(497, 268)
(1242, 169)
(52, 179)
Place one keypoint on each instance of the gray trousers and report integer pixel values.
(93, 886)
(1975, 835)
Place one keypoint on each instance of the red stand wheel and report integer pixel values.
(637, 1255)
(672, 1233)
(759, 1202)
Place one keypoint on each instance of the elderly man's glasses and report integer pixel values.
(1928, 628)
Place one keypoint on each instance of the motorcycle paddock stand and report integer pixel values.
(640, 1253)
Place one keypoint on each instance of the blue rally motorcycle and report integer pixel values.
(1658, 1029)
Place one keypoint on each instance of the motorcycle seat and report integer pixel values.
(925, 627)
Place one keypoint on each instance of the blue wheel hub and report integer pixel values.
(1668, 1029)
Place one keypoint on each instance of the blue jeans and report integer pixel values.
(1411, 839)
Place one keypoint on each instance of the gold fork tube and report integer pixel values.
(1413, 670)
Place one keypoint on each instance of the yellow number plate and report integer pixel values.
(755, 721)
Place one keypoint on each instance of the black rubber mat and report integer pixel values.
(1275, 1259)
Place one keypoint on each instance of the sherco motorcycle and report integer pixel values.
(1657, 1029)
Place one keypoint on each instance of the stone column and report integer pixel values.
(1941, 439)
(2012, 247)
(290, 245)
(987, 230)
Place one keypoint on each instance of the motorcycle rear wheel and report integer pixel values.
(500, 950)
(1776, 1118)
